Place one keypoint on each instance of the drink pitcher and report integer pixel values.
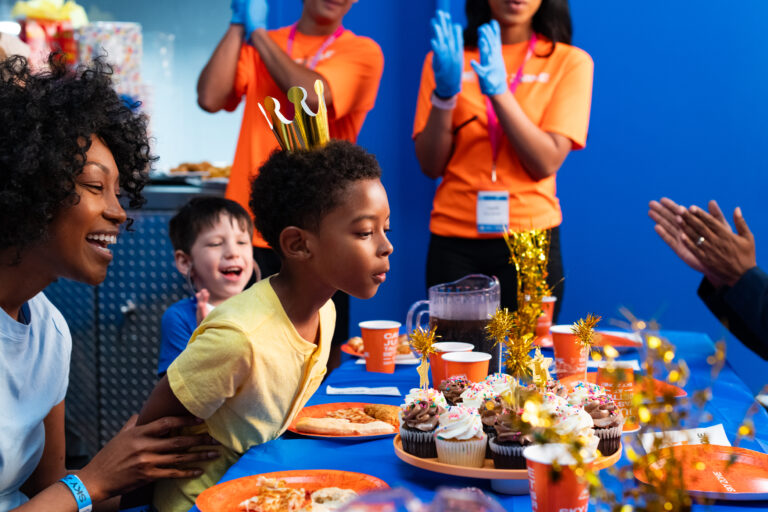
(460, 310)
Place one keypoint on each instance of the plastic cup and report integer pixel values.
(472, 365)
(544, 322)
(380, 339)
(548, 494)
(618, 380)
(570, 356)
(436, 364)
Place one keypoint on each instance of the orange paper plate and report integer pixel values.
(347, 349)
(399, 358)
(707, 473)
(227, 496)
(487, 471)
(320, 410)
(661, 388)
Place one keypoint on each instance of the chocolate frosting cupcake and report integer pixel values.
(421, 415)
(452, 389)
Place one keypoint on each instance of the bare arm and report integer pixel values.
(434, 144)
(541, 153)
(285, 72)
(216, 84)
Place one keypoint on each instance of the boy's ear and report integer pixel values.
(293, 243)
(183, 262)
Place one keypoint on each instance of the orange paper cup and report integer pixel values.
(472, 365)
(380, 344)
(436, 364)
(570, 357)
(544, 322)
(554, 495)
(618, 380)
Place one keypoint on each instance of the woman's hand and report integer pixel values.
(668, 218)
(722, 252)
(491, 70)
(140, 455)
(448, 55)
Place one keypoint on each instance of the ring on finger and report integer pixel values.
(700, 241)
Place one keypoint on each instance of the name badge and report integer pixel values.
(492, 211)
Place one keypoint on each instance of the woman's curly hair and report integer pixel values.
(299, 188)
(47, 119)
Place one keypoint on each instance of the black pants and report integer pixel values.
(449, 259)
(269, 263)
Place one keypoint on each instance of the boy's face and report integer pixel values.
(222, 259)
(350, 248)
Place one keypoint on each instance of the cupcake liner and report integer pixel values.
(609, 433)
(418, 443)
(507, 456)
(610, 439)
(470, 453)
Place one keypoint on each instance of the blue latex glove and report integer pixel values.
(255, 16)
(491, 71)
(238, 12)
(448, 59)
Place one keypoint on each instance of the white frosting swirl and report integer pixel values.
(499, 382)
(476, 394)
(429, 395)
(460, 423)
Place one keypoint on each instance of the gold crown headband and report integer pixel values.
(308, 130)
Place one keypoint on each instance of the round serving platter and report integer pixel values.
(508, 481)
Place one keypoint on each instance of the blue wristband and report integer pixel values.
(79, 491)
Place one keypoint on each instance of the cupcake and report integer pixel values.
(606, 417)
(490, 409)
(476, 394)
(499, 383)
(507, 445)
(571, 421)
(452, 388)
(459, 437)
(418, 421)
(430, 395)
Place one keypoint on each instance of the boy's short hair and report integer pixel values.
(201, 213)
(299, 188)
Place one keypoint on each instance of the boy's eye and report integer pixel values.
(214, 244)
(94, 186)
(365, 234)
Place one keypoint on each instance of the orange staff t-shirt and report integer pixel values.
(555, 93)
(351, 66)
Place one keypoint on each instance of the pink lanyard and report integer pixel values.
(494, 129)
(328, 42)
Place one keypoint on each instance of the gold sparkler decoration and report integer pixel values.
(584, 330)
(499, 327)
(422, 341)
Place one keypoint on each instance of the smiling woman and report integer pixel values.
(68, 146)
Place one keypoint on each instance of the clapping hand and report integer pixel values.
(448, 59)
(254, 15)
(491, 70)
(722, 252)
(203, 308)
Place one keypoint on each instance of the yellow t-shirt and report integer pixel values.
(247, 372)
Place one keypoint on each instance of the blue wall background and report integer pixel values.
(678, 109)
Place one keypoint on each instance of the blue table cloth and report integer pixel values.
(730, 401)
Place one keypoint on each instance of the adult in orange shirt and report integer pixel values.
(253, 62)
(497, 136)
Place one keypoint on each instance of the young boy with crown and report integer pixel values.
(257, 358)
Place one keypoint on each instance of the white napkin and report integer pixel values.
(633, 362)
(399, 359)
(715, 434)
(361, 390)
